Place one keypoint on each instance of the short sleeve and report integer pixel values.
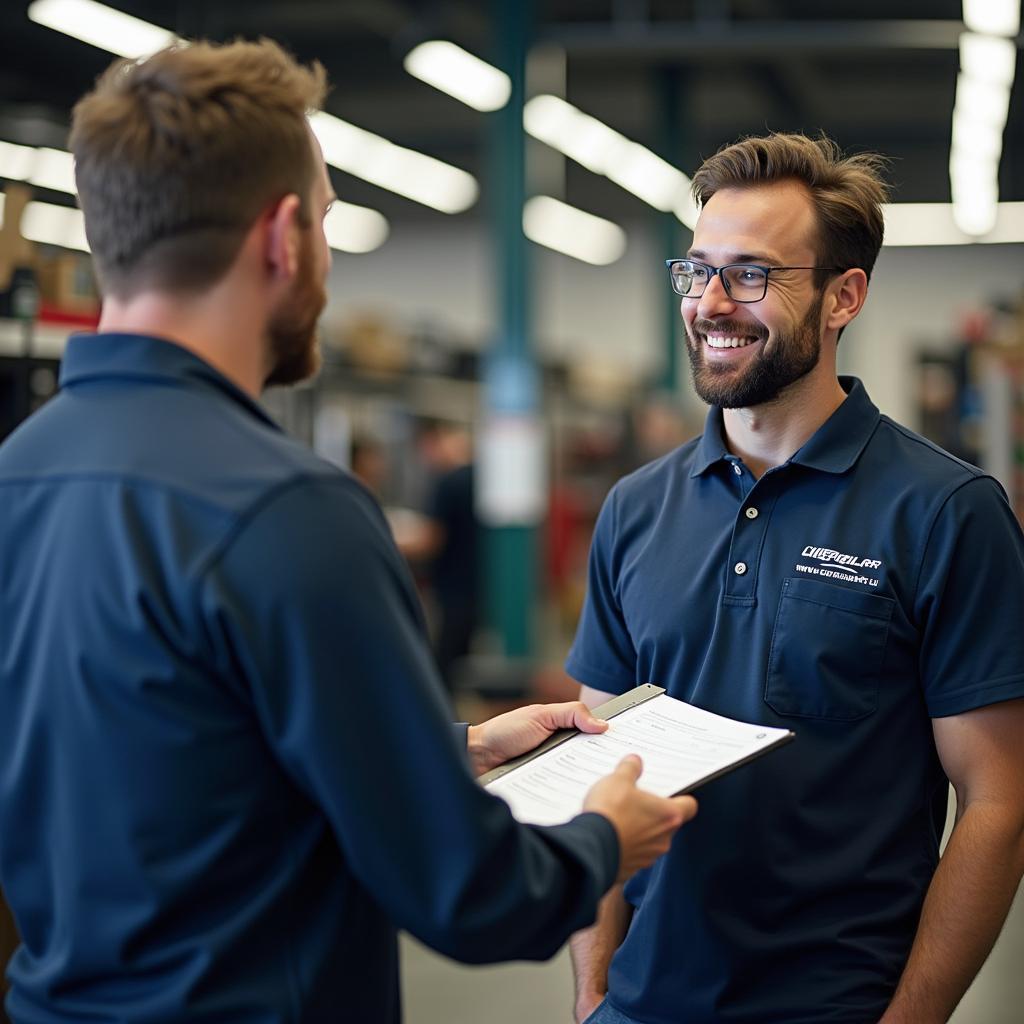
(602, 655)
(970, 602)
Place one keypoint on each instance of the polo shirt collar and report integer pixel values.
(833, 448)
(142, 357)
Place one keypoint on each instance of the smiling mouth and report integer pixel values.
(729, 340)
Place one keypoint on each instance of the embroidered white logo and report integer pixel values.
(838, 566)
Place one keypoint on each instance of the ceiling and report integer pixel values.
(680, 76)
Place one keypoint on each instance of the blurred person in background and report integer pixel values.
(808, 563)
(368, 462)
(447, 541)
(226, 770)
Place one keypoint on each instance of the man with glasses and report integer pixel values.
(808, 563)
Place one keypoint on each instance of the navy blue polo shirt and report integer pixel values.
(871, 583)
(227, 770)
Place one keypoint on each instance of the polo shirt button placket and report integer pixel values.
(748, 536)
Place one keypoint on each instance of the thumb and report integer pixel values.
(584, 719)
(685, 806)
(629, 768)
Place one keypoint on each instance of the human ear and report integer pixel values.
(282, 242)
(847, 294)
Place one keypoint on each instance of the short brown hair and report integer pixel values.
(178, 154)
(847, 192)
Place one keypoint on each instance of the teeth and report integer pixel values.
(719, 342)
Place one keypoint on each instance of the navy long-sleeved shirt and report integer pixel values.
(226, 768)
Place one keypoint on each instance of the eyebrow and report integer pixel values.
(741, 257)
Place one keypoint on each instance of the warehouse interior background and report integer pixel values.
(513, 285)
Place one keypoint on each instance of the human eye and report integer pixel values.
(748, 275)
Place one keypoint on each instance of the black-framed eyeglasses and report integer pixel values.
(743, 282)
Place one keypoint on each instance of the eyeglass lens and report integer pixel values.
(743, 283)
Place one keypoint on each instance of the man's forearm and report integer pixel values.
(965, 908)
(593, 948)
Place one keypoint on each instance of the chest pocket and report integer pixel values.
(827, 651)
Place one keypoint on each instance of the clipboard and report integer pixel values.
(616, 706)
(624, 701)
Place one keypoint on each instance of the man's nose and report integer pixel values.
(715, 299)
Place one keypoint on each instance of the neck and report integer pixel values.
(767, 435)
(221, 326)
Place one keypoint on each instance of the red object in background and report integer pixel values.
(975, 325)
(54, 315)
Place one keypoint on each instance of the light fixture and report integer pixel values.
(556, 225)
(101, 26)
(934, 224)
(404, 171)
(982, 101)
(54, 225)
(992, 17)
(16, 162)
(988, 58)
(351, 228)
(605, 151)
(54, 169)
(459, 73)
(988, 63)
(361, 153)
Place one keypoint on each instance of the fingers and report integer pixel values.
(572, 714)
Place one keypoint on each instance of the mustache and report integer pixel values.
(738, 328)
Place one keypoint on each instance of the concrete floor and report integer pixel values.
(437, 991)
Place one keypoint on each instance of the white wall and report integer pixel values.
(917, 299)
(443, 274)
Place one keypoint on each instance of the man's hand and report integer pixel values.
(644, 822)
(495, 741)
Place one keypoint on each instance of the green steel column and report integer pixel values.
(510, 376)
(671, 231)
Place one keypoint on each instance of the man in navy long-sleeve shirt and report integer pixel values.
(226, 773)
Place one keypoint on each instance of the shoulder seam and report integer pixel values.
(243, 519)
(973, 471)
(927, 536)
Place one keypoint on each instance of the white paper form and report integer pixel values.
(680, 746)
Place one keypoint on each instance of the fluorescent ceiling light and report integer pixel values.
(993, 17)
(354, 228)
(16, 162)
(605, 151)
(54, 169)
(54, 225)
(101, 26)
(988, 58)
(568, 230)
(411, 174)
(933, 224)
(48, 168)
(974, 212)
(983, 101)
(459, 73)
(971, 136)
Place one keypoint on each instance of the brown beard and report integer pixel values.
(293, 342)
(793, 355)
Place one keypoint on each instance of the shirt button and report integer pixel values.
(751, 513)
(740, 568)
(736, 468)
